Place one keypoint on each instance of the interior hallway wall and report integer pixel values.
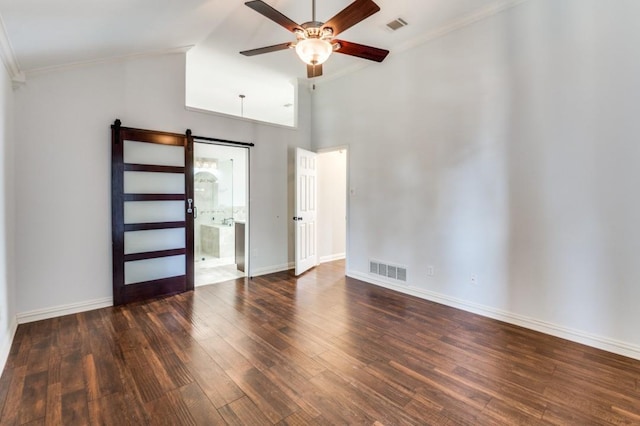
(63, 185)
(332, 205)
(505, 151)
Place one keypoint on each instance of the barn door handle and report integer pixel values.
(190, 208)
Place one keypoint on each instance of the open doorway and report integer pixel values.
(220, 225)
(332, 204)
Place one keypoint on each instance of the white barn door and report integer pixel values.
(306, 210)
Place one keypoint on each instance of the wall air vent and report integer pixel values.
(402, 274)
(382, 269)
(396, 24)
(394, 272)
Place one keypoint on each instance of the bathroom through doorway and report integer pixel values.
(221, 185)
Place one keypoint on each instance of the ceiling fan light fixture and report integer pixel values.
(314, 51)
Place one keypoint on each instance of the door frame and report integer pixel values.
(247, 225)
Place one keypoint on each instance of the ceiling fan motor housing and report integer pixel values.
(314, 29)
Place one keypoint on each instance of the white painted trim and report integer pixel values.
(578, 336)
(237, 117)
(5, 346)
(272, 269)
(73, 65)
(8, 56)
(449, 27)
(332, 257)
(58, 311)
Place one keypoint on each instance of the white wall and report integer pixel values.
(7, 219)
(507, 150)
(332, 205)
(63, 182)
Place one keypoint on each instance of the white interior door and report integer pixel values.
(306, 211)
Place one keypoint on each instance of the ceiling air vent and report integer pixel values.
(396, 24)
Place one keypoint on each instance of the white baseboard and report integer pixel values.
(272, 269)
(332, 257)
(291, 265)
(599, 342)
(58, 311)
(7, 341)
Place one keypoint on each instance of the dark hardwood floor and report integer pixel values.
(321, 349)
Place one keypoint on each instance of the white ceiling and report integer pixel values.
(47, 34)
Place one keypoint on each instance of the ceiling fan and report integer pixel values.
(315, 40)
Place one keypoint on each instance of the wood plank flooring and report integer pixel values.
(321, 349)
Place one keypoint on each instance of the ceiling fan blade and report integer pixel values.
(361, 51)
(314, 71)
(277, 17)
(357, 11)
(261, 50)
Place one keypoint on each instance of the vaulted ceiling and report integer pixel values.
(46, 34)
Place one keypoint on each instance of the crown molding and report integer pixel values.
(9, 58)
(111, 59)
(449, 27)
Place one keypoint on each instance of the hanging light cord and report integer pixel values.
(241, 105)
